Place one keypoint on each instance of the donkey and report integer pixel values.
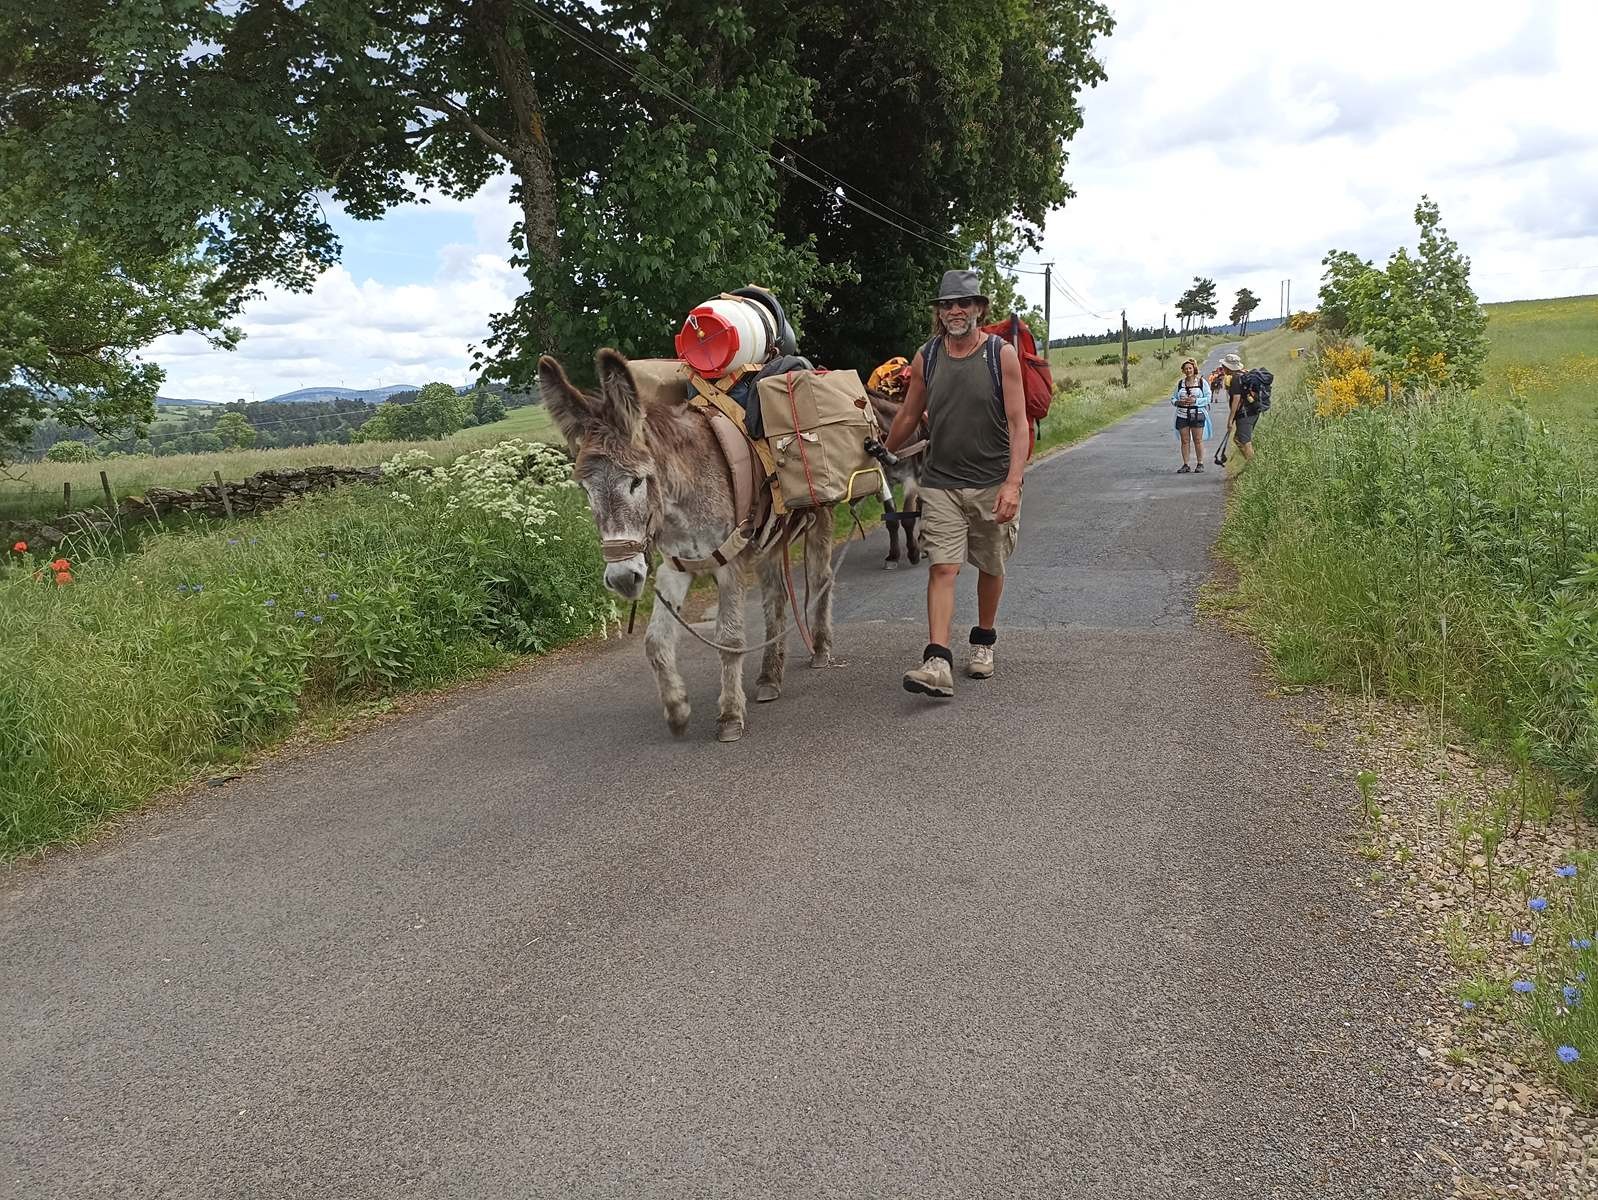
(906, 471)
(656, 478)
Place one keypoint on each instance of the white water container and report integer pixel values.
(723, 334)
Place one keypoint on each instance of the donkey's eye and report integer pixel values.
(638, 482)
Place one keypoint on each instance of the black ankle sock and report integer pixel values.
(983, 637)
(934, 650)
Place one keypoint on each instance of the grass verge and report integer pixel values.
(146, 667)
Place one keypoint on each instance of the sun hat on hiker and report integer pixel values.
(1232, 363)
(1188, 362)
(960, 285)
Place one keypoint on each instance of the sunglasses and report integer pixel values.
(962, 302)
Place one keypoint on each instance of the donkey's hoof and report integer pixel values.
(677, 719)
(729, 729)
(891, 564)
(765, 693)
(820, 661)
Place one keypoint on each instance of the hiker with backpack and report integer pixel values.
(1250, 394)
(968, 384)
(1192, 400)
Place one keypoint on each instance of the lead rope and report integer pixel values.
(788, 627)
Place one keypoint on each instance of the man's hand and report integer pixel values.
(1008, 503)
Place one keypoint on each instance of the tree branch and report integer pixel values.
(445, 105)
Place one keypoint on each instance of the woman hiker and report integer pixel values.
(1192, 400)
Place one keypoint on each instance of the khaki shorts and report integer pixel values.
(957, 526)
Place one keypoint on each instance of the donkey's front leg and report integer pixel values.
(774, 599)
(818, 569)
(890, 518)
(909, 515)
(660, 644)
(730, 632)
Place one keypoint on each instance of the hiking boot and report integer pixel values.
(980, 665)
(934, 677)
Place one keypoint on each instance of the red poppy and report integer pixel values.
(21, 547)
(63, 577)
(61, 564)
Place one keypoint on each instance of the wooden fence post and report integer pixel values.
(227, 505)
(66, 497)
(110, 500)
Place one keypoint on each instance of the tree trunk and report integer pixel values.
(529, 157)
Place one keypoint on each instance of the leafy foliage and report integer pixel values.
(436, 412)
(1420, 315)
(69, 450)
(1243, 307)
(1198, 301)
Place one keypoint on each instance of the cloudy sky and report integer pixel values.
(1310, 138)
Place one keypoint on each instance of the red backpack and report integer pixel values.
(1037, 381)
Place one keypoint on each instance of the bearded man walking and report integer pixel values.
(968, 385)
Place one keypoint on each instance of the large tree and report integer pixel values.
(659, 151)
(1243, 307)
(1420, 314)
(1198, 301)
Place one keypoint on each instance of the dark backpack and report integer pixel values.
(1257, 389)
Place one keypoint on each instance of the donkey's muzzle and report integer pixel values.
(626, 579)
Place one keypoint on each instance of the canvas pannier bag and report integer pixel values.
(660, 379)
(816, 424)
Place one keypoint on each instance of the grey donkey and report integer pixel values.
(656, 479)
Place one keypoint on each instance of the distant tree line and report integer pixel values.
(434, 411)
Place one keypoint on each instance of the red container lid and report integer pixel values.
(707, 341)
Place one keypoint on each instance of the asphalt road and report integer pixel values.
(1085, 931)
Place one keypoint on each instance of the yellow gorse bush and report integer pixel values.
(1347, 381)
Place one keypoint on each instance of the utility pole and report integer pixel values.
(1124, 347)
(1164, 317)
(1048, 295)
(1289, 305)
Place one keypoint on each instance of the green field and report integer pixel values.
(1544, 356)
(35, 490)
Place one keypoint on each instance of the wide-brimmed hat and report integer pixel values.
(960, 285)
(1187, 361)
(1232, 363)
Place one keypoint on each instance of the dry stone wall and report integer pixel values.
(256, 494)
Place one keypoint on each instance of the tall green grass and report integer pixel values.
(149, 665)
(1543, 356)
(1444, 552)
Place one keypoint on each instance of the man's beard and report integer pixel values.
(969, 320)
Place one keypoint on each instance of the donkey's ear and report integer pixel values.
(569, 407)
(620, 406)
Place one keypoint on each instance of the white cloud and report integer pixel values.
(350, 333)
(1243, 140)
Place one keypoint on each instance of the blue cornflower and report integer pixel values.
(1468, 1005)
(271, 603)
(183, 587)
(299, 613)
(332, 596)
(316, 620)
(199, 587)
(1568, 1054)
(1565, 872)
(254, 540)
(1520, 938)
(1581, 943)
(1524, 986)
(1572, 994)
(233, 541)
(1537, 904)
